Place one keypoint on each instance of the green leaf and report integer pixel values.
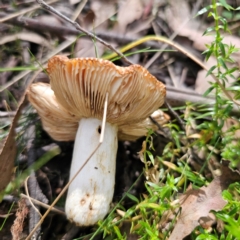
(211, 70)
(203, 10)
(209, 30)
(208, 91)
(222, 62)
(205, 115)
(150, 205)
(222, 47)
(18, 69)
(225, 5)
(150, 156)
(233, 88)
(133, 198)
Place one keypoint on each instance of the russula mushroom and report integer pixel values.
(43, 99)
(78, 91)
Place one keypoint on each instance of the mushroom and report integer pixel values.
(43, 99)
(76, 99)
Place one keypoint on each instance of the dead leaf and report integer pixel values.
(196, 204)
(184, 24)
(21, 214)
(72, 2)
(86, 48)
(26, 36)
(103, 10)
(130, 11)
(203, 81)
(9, 150)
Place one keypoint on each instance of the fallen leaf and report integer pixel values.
(203, 80)
(72, 2)
(185, 25)
(26, 36)
(21, 214)
(9, 150)
(103, 10)
(196, 204)
(86, 48)
(129, 11)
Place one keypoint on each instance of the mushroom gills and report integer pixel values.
(90, 194)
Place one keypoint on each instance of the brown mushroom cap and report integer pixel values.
(80, 86)
(61, 125)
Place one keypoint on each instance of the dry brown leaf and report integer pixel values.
(192, 28)
(26, 36)
(130, 11)
(203, 81)
(86, 48)
(197, 203)
(184, 24)
(103, 10)
(9, 150)
(72, 2)
(21, 214)
(49, 19)
(229, 123)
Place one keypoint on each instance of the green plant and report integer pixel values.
(153, 215)
(223, 70)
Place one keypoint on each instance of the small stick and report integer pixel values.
(180, 121)
(19, 76)
(78, 27)
(22, 12)
(30, 201)
(78, 10)
(44, 205)
(80, 169)
(104, 118)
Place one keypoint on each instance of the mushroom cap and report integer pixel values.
(133, 131)
(80, 86)
(61, 125)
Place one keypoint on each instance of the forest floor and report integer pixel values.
(168, 185)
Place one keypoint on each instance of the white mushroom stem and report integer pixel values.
(90, 193)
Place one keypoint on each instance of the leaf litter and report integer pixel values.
(121, 18)
(196, 204)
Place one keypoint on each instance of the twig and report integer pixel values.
(172, 111)
(78, 27)
(33, 186)
(44, 205)
(62, 46)
(7, 114)
(11, 198)
(62, 31)
(173, 35)
(30, 201)
(24, 11)
(80, 169)
(79, 9)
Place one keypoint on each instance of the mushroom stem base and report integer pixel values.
(90, 194)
